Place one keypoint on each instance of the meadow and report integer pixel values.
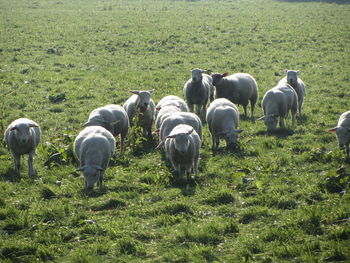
(279, 197)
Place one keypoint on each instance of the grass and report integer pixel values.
(279, 197)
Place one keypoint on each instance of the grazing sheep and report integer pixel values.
(22, 136)
(222, 118)
(342, 131)
(239, 88)
(94, 147)
(198, 90)
(141, 102)
(113, 118)
(297, 84)
(182, 149)
(277, 102)
(180, 118)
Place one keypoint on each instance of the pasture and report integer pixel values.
(280, 197)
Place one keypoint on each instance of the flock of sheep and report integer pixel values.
(178, 127)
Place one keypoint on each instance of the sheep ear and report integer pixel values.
(261, 118)
(333, 129)
(33, 126)
(151, 91)
(189, 132)
(157, 131)
(13, 128)
(297, 71)
(225, 74)
(86, 124)
(98, 168)
(238, 131)
(158, 108)
(170, 137)
(134, 92)
(81, 168)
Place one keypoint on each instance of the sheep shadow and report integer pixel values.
(303, 119)
(238, 150)
(280, 133)
(340, 2)
(10, 176)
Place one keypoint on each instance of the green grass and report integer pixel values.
(281, 197)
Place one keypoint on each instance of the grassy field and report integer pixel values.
(281, 197)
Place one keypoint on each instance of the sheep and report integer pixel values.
(182, 149)
(222, 118)
(277, 102)
(239, 88)
(198, 90)
(180, 118)
(342, 131)
(94, 147)
(22, 136)
(167, 106)
(113, 118)
(297, 84)
(141, 102)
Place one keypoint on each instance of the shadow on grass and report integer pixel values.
(280, 133)
(12, 176)
(341, 2)
(303, 119)
(238, 150)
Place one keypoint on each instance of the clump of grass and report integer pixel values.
(110, 204)
(223, 197)
(47, 193)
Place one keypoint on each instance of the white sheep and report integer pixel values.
(180, 118)
(222, 118)
(342, 131)
(94, 147)
(297, 84)
(239, 88)
(276, 103)
(182, 147)
(198, 90)
(113, 118)
(142, 103)
(22, 136)
(166, 106)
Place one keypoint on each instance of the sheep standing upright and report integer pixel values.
(297, 84)
(198, 90)
(142, 103)
(182, 147)
(22, 137)
(239, 88)
(94, 147)
(276, 103)
(113, 118)
(342, 131)
(222, 118)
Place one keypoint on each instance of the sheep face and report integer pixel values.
(217, 77)
(231, 137)
(143, 99)
(271, 122)
(23, 132)
(197, 75)
(182, 143)
(343, 136)
(292, 77)
(91, 175)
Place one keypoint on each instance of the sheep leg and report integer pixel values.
(347, 150)
(281, 122)
(204, 112)
(190, 107)
(31, 171)
(100, 180)
(122, 146)
(252, 106)
(300, 107)
(293, 119)
(245, 110)
(213, 139)
(17, 159)
(195, 165)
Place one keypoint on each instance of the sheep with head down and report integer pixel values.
(239, 88)
(22, 136)
(342, 131)
(94, 147)
(198, 90)
(297, 84)
(141, 103)
(113, 118)
(222, 118)
(277, 103)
